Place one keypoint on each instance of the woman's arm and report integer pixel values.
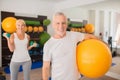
(10, 41)
(30, 46)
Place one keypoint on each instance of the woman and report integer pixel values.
(18, 44)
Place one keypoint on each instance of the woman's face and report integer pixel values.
(20, 26)
(60, 25)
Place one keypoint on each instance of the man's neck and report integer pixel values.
(59, 36)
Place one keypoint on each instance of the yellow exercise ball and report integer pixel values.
(9, 24)
(89, 28)
(93, 58)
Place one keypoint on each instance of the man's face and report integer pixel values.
(60, 25)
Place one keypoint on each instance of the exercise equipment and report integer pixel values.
(35, 29)
(30, 29)
(44, 36)
(76, 25)
(34, 43)
(46, 22)
(114, 51)
(40, 28)
(25, 29)
(31, 43)
(7, 34)
(82, 29)
(9, 24)
(93, 58)
(89, 28)
(32, 23)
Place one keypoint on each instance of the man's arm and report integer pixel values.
(90, 36)
(46, 70)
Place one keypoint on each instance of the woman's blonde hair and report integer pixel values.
(21, 21)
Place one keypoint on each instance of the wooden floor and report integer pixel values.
(36, 75)
(113, 73)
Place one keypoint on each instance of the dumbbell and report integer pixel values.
(33, 43)
(6, 34)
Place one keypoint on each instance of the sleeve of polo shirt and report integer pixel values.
(78, 36)
(46, 53)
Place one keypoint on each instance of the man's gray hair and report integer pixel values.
(59, 14)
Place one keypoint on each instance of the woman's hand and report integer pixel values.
(6, 35)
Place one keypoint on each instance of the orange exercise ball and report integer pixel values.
(30, 29)
(9, 24)
(93, 58)
(82, 29)
(25, 28)
(35, 29)
(89, 28)
(41, 29)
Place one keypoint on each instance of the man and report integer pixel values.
(60, 51)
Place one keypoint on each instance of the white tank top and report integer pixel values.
(20, 53)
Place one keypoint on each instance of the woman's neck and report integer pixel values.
(20, 32)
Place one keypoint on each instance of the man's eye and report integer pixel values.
(58, 23)
(63, 23)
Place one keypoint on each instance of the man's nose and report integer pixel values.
(61, 25)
